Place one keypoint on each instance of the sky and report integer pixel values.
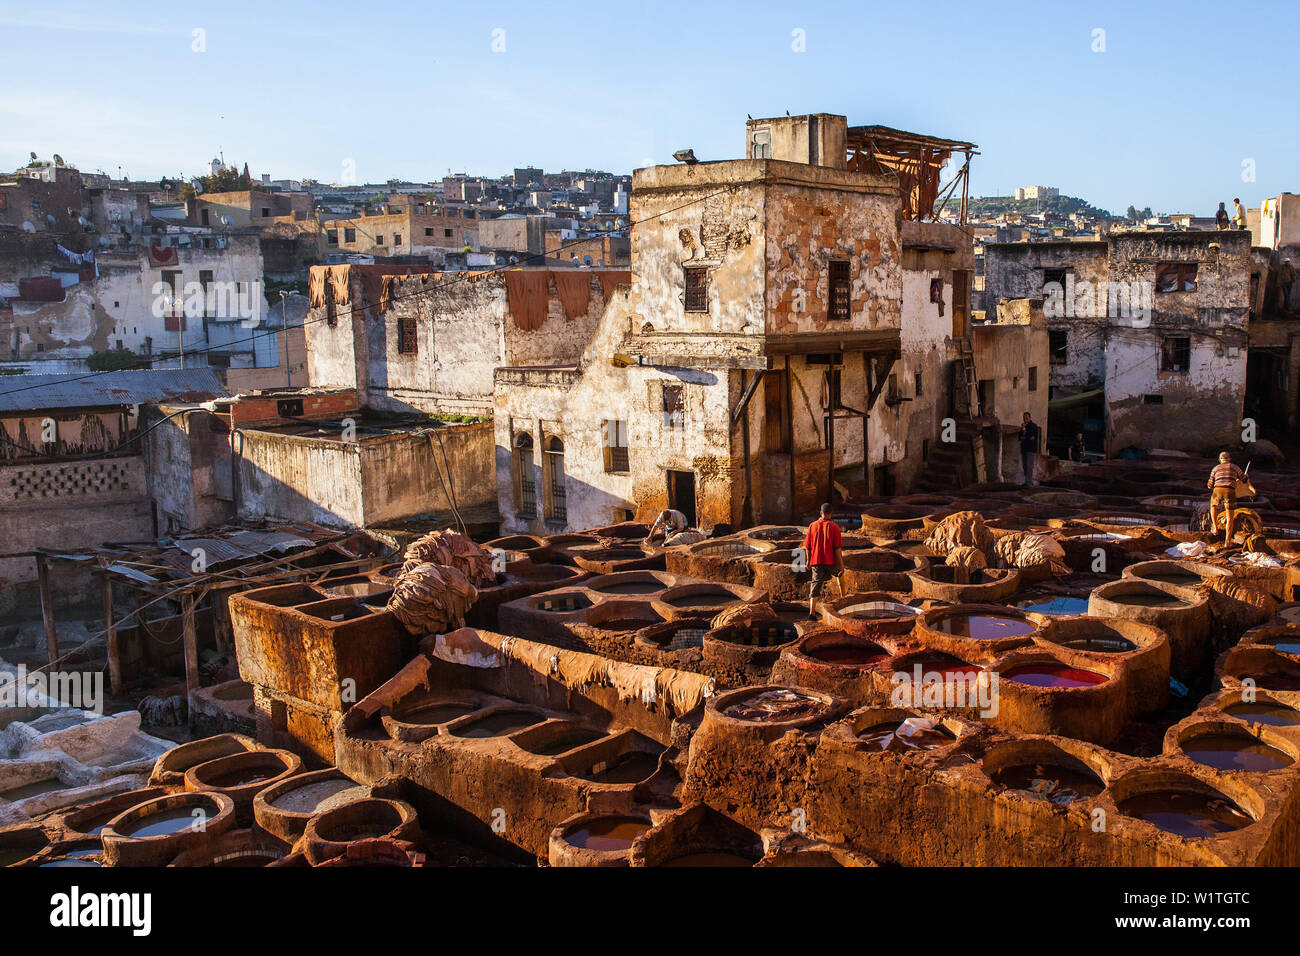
(1177, 106)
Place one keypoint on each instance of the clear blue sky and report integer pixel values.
(1182, 95)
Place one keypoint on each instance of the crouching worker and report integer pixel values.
(666, 525)
(824, 545)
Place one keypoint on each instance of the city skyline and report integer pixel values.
(559, 95)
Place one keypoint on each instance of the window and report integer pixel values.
(961, 303)
(203, 215)
(839, 289)
(525, 482)
(1033, 378)
(209, 299)
(1056, 276)
(446, 233)
(349, 235)
(331, 314)
(379, 239)
(289, 408)
(397, 238)
(428, 230)
(266, 211)
(406, 335)
(674, 406)
(1153, 399)
(1175, 354)
(760, 144)
(697, 288)
(1176, 277)
(615, 446)
(553, 475)
(1056, 346)
(920, 390)
(332, 236)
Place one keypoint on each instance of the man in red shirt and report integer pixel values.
(824, 545)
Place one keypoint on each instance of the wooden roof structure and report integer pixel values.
(917, 160)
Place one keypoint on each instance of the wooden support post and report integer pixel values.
(47, 607)
(789, 421)
(191, 651)
(866, 418)
(110, 639)
(747, 507)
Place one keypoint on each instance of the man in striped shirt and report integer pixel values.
(1223, 492)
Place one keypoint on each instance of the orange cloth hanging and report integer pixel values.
(574, 289)
(526, 295)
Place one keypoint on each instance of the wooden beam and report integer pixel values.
(47, 607)
(746, 395)
(110, 638)
(191, 651)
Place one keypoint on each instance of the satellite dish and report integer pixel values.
(197, 184)
(83, 220)
(28, 226)
(225, 220)
(58, 160)
(103, 241)
(33, 157)
(50, 217)
(587, 260)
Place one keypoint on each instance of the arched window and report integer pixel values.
(553, 476)
(525, 482)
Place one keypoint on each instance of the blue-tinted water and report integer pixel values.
(1059, 605)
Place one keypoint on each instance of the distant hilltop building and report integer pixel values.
(1037, 192)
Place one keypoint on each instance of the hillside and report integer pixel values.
(1060, 206)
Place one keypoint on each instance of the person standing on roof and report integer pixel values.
(1030, 436)
(824, 544)
(1239, 214)
(1223, 493)
(1221, 217)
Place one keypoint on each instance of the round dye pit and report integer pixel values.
(709, 599)
(565, 604)
(165, 822)
(608, 834)
(498, 724)
(947, 668)
(984, 626)
(319, 796)
(1284, 643)
(1262, 712)
(675, 635)
(775, 704)
(1186, 812)
(1102, 641)
(1181, 578)
(902, 737)
(1147, 597)
(1065, 604)
(1232, 751)
(847, 654)
(1055, 784)
(761, 634)
(1053, 674)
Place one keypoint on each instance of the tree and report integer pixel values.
(113, 360)
(1131, 213)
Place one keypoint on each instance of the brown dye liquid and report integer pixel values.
(560, 744)
(1149, 599)
(985, 627)
(436, 713)
(710, 859)
(712, 599)
(1274, 715)
(632, 587)
(1235, 752)
(95, 825)
(608, 833)
(1185, 813)
(631, 767)
(1100, 644)
(775, 704)
(241, 777)
(1051, 674)
(1059, 785)
(884, 737)
(164, 822)
(848, 655)
(1184, 578)
(33, 790)
(1276, 681)
(499, 724)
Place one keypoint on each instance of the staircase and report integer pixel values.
(951, 465)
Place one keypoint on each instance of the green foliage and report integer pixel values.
(113, 360)
(227, 181)
(1060, 206)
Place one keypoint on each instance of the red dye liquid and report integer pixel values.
(1053, 675)
(1275, 715)
(985, 627)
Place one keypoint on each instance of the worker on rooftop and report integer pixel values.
(1221, 217)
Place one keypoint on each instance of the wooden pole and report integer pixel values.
(191, 651)
(47, 607)
(789, 421)
(866, 418)
(110, 639)
(746, 509)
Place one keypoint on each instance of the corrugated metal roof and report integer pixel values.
(20, 393)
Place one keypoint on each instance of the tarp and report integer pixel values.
(1071, 401)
